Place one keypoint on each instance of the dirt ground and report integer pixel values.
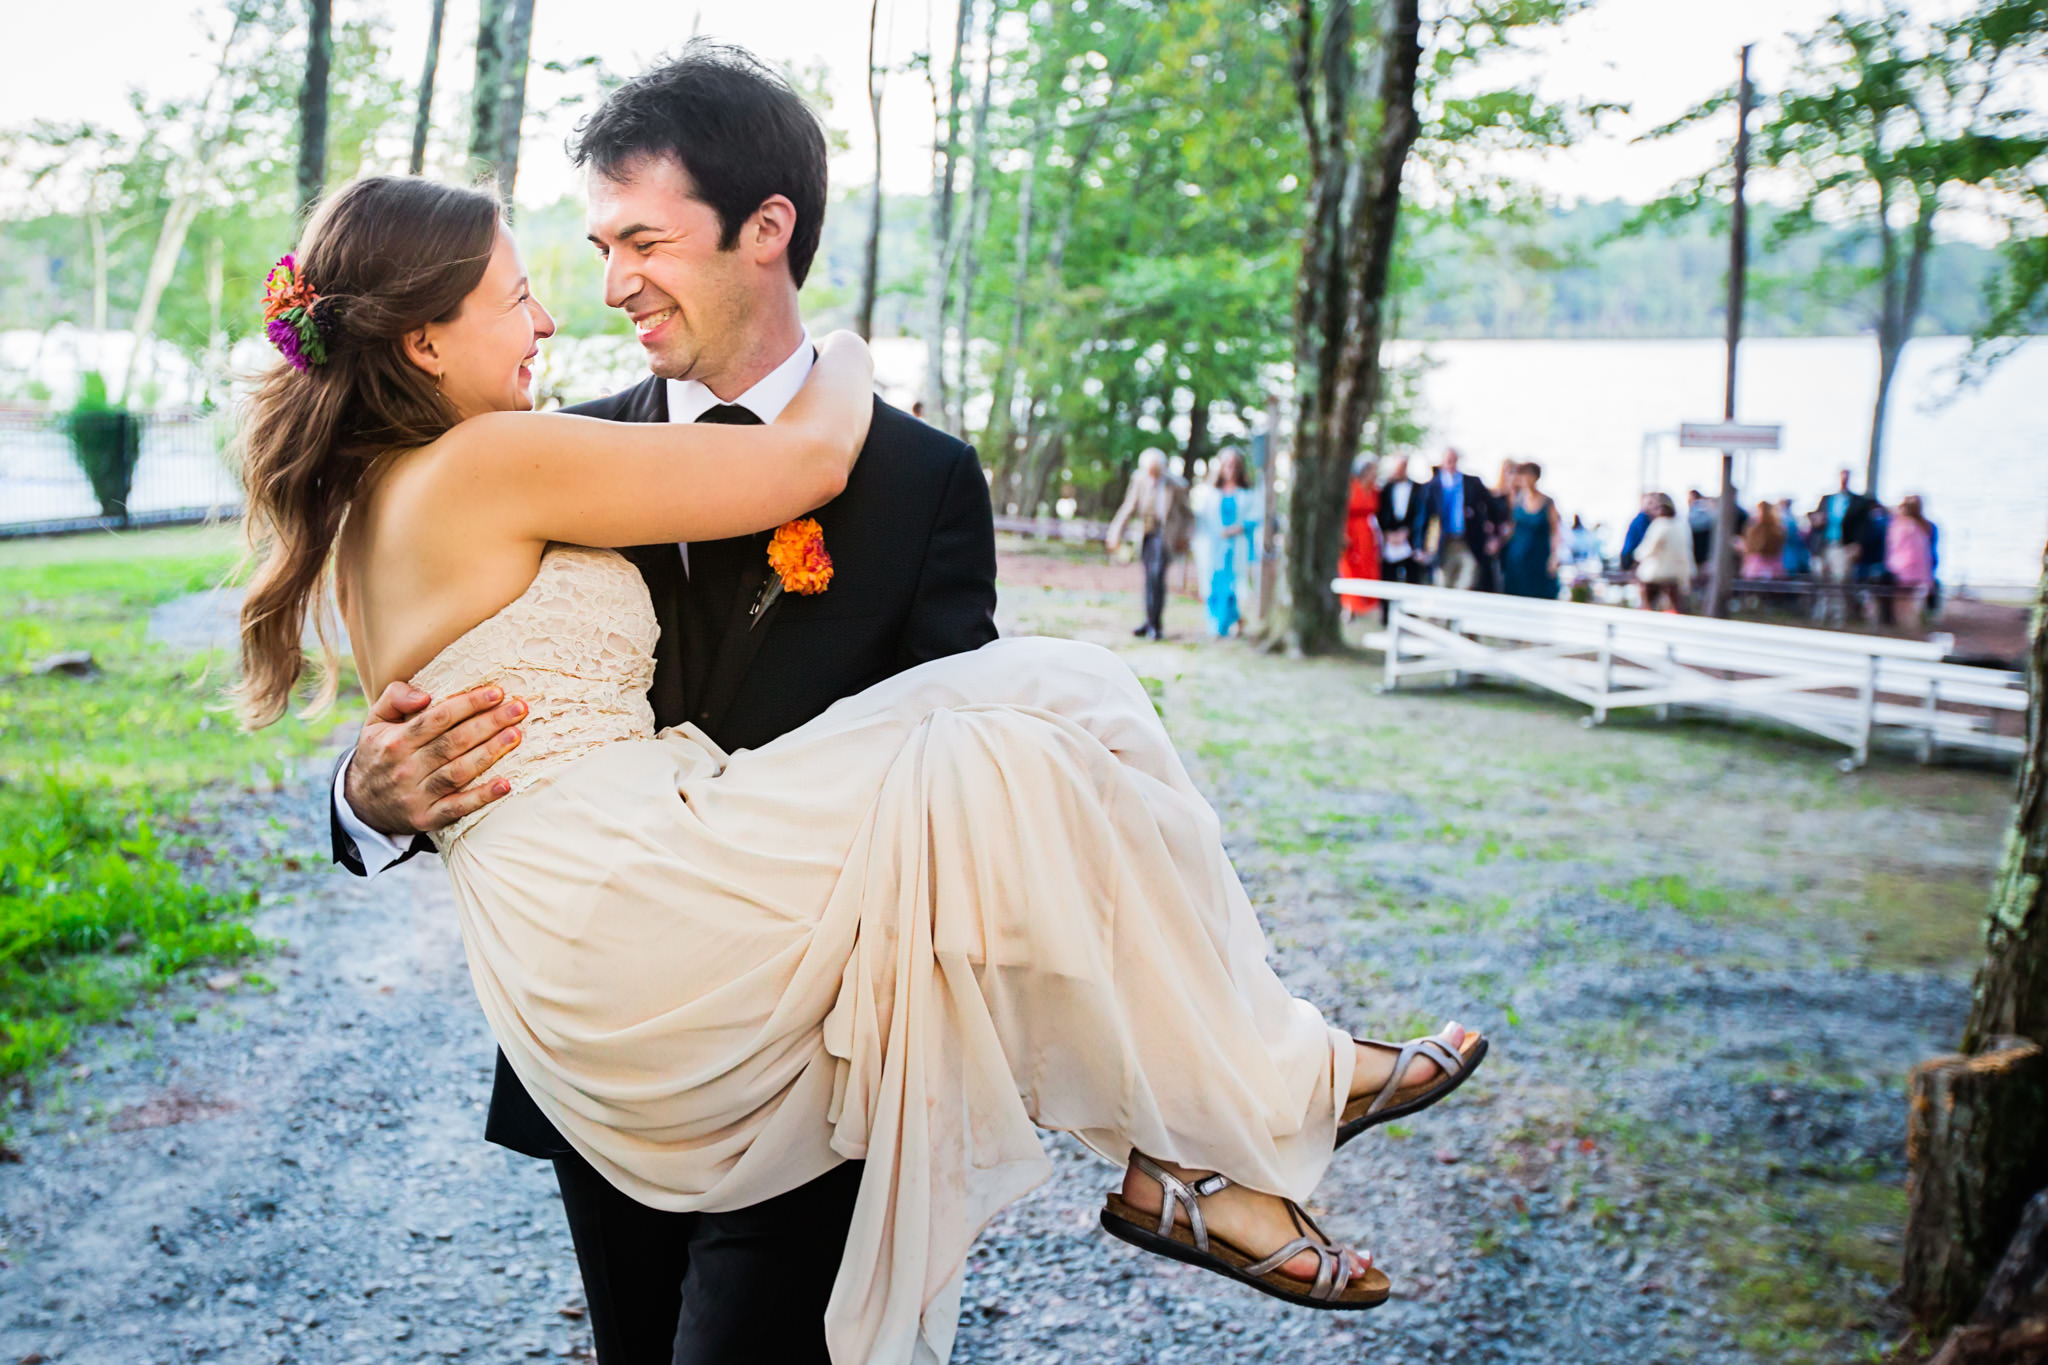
(1705, 956)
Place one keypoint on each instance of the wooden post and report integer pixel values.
(1723, 575)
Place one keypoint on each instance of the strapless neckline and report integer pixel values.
(576, 646)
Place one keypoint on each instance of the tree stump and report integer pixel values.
(2010, 1327)
(1977, 1145)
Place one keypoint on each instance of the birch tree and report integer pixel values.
(188, 180)
(423, 118)
(871, 253)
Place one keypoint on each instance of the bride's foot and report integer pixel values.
(1376, 1062)
(1391, 1080)
(1256, 1224)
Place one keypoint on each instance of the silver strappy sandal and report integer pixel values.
(1396, 1100)
(1334, 1288)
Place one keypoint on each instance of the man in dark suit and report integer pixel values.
(1402, 515)
(1458, 525)
(707, 192)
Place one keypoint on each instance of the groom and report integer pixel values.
(706, 180)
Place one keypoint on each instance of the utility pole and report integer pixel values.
(1738, 263)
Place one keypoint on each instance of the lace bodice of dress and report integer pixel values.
(577, 647)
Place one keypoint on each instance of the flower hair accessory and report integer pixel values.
(797, 555)
(298, 321)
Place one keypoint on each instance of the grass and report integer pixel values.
(1805, 1268)
(96, 776)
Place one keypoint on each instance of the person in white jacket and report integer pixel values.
(1664, 562)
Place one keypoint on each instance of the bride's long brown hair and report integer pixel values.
(387, 254)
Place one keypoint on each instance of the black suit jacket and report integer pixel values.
(1412, 520)
(912, 541)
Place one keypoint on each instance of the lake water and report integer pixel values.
(1583, 409)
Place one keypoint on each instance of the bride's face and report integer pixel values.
(484, 354)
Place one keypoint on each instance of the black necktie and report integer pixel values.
(716, 565)
(729, 415)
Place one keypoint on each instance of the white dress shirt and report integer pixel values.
(688, 399)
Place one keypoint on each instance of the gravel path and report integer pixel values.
(292, 1168)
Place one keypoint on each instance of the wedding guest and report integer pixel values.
(1401, 517)
(1528, 563)
(1763, 544)
(1842, 519)
(1361, 556)
(1502, 496)
(1872, 571)
(1638, 526)
(1664, 562)
(1225, 525)
(1159, 500)
(1458, 522)
(1699, 517)
(1798, 558)
(1909, 555)
(1586, 543)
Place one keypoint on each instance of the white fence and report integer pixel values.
(182, 473)
(1843, 687)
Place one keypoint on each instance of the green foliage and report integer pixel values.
(104, 196)
(1888, 123)
(96, 902)
(92, 910)
(1158, 150)
(106, 441)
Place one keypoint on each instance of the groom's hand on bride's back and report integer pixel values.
(417, 758)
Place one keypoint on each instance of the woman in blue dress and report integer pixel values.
(1226, 521)
(1529, 562)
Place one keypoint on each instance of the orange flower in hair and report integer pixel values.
(797, 555)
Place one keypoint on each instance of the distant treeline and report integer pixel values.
(1568, 275)
(1575, 273)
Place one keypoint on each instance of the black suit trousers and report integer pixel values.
(1157, 558)
(708, 1288)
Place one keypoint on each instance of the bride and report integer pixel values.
(978, 899)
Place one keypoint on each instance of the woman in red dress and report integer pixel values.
(1361, 558)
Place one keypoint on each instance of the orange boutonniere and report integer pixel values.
(801, 564)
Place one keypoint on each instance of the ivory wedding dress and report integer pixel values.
(980, 896)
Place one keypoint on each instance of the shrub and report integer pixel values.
(106, 441)
(93, 910)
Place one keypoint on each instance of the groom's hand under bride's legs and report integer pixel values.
(413, 766)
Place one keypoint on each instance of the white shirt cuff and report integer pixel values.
(377, 850)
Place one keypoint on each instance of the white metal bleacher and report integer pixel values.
(1841, 686)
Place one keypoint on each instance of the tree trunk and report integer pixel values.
(1899, 312)
(422, 119)
(483, 94)
(977, 217)
(215, 370)
(191, 178)
(1340, 296)
(97, 228)
(313, 102)
(1001, 440)
(944, 239)
(1978, 1128)
(1197, 448)
(871, 258)
(516, 47)
(2010, 1326)
(1048, 452)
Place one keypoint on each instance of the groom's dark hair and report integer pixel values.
(739, 130)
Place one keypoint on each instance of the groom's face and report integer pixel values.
(688, 300)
